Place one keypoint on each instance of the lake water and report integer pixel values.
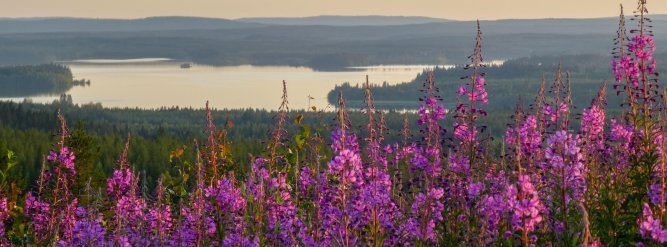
(154, 83)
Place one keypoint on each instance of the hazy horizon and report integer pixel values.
(229, 9)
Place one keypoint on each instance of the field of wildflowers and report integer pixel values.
(550, 185)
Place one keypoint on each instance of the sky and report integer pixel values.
(232, 9)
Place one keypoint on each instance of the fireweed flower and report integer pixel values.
(528, 134)
(4, 216)
(193, 227)
(282, 220)
(427, 207)
(56, 218)
(493, 204)
(130, 211)
(88, 230)
(553, 113)
(525, 205)
(478, 94)
(159, 219)
(121, 181)
(656, 191)
(39, 213)
(427, 210)
(430, 112)
(229, 205)
(65, 157)
(623, 138)
(651, 227)
(564, 164)
(305, 180)
(592, 125)
(564, 178)
(380, 211)
(340, 212)
(635, 71)
(622, 134)
(129, 208)
(271, 199)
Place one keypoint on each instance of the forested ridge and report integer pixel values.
(514, 79)
(31, 80)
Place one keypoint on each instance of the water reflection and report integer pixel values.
(154, 83)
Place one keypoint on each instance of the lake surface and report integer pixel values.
(154, 83)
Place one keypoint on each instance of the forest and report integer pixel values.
(322, 47)
(31, 80)
(514, 79)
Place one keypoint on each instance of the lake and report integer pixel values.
(154, 83)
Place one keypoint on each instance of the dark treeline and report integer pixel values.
(320, 47)
(30, 80)
(514, 79)
(99, 135)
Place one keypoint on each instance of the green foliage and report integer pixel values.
(87, 151)
(8, 162)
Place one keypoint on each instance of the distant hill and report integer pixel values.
(62, 24)
(235, 42)
(336, 20)
(661, 17)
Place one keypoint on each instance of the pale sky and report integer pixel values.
(231, 9)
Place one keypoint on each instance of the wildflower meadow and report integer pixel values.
(558, 177)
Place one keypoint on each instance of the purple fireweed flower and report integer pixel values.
(634, 71)
(239, 241)
(193, 227)
(651, 227)
(229, 205)
(379, 212)
(428, 161)
(492, 206)
(459, 164)
(474, 189)
(282, 221)
(4, 216)
(159, 219)
(65, 157)
(621, 133)
(305, 179)
(592, 125)
(624, 138)
(88, 231)
(528, 133)
(465, 133)
(68, 219)
(525, 204)
(340, 213)
(463, 90)
(431, 112)
(564, 165)
(655, 194)
(130, 216)
(552, 113)
(120, 183)
(479, 93)
(270, 199)
(341, 140)
(39, 213)
(226, 196)
(427, 210)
